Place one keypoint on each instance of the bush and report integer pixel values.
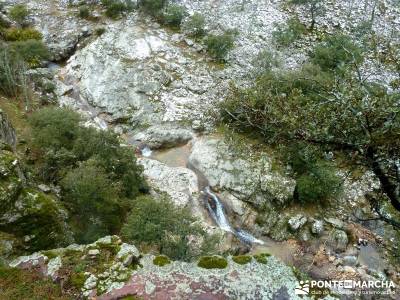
(31, 51)
(19, 13)
(195, 25)
(212, 262)
(336, 53)
(289, 33)
(153, 7)
(173, 15)
(22, 34)
(100, 31)
(84, 12)
(115, 8)
(318, 184)
(219, 45)
(93, 201)
(159, 223)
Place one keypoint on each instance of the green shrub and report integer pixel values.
(22, 34)
(83, 12)
(13, 80)
(242, 259)
(93, 201)
(77, 280)
(31, 51)
(161, 224)
(318, 184)
(19, 13)
(161, 260)
(115, 8)
(289, 33)
(195, 25)
(219, 45)
(212, 262)
(336, 52)
(100, 31)
(262, 258)
(173, 15)
(153, 7)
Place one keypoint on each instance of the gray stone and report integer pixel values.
(350, 260)
(317, 227)
(297, 222)
(164, 136)
(94, 252)
(339, 240)
(7, 132)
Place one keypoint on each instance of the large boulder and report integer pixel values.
(249, 179)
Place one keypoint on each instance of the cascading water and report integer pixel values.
(216, 210)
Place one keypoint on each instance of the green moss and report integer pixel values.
(242, 259)
(131, 298)
(161, 260)
(113, 248)
(262, 258)
(50, 254)
(78, 280)
(212, 262)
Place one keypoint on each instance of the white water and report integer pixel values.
(146, 152)
(218, 214)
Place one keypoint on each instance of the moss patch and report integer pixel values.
(262, 258)
(212, 262)
(242, 259)
(161, 260)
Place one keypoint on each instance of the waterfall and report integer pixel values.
(216, 210)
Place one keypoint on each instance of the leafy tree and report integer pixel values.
(161, 224)
(328, 104)
(314, 7)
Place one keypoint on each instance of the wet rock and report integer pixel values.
(249, 180)
(349, 260)
(317, 227)
(179, 183)
(7, 132)
(339, 240)
(297, 222)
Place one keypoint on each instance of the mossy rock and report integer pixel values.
(212, 262)
(242, 259)
(161, 260)
(262, 258)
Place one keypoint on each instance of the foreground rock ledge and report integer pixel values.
(127, 272)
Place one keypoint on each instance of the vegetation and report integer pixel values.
(152, 7)
(19, 13)
(84, 12)
(326, 103)
(115, 8)
(24, 284)
(212, 262)
(262, 258)
(161, 260)
(242, 259)
(195, 25)
(159, 223)
(173, 15)
(289, 33)
(96, 174)
(314, 7)
(219, 45)
(22, 34)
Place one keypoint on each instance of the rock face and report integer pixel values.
(249, 180)
(179, 183)
(110, 278)
(7, 132)
(31, 215)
